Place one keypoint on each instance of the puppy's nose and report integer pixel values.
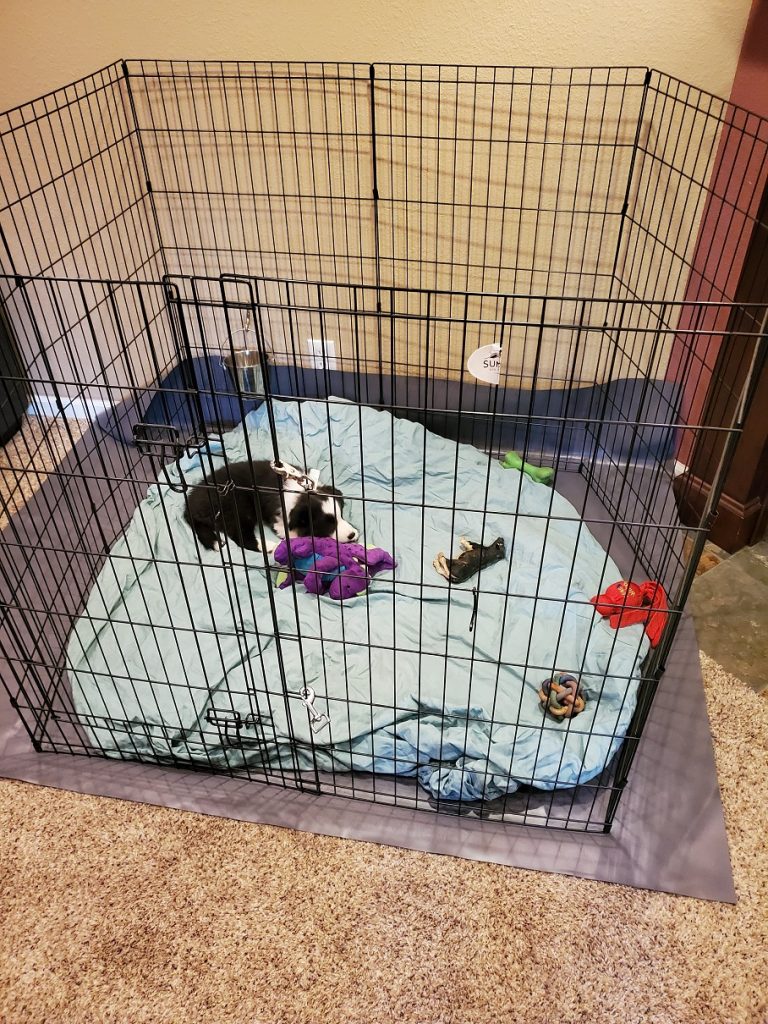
(353, 535)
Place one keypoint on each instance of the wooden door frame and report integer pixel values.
(742, 512)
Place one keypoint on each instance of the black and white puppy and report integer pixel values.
(215, 507)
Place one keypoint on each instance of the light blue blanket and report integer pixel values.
(177, 647)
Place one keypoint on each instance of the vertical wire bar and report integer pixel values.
(376, 235)
(144, 164)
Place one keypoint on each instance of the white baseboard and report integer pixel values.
(680, 468)
(70, 409)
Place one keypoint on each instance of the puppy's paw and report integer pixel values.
(440, 565)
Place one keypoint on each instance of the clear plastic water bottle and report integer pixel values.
(245, 365)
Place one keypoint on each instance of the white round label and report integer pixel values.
(485, 363)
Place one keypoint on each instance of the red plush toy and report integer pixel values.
(629, 603)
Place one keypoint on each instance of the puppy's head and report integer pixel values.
(320, 514)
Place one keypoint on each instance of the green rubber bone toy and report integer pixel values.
(541, 474)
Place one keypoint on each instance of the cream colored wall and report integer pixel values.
(47, 43)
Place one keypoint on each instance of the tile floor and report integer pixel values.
(729, 603)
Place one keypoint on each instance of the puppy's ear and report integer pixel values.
(333, 492)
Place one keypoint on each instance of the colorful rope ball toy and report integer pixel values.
(562, 695)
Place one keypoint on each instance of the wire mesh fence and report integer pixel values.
(216, 262)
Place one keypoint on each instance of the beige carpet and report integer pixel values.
(118, 912)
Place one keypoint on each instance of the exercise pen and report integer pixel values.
(318, 249)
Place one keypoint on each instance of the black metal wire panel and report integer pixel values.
(153, 211)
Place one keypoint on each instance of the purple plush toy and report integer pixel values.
(328, 567)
